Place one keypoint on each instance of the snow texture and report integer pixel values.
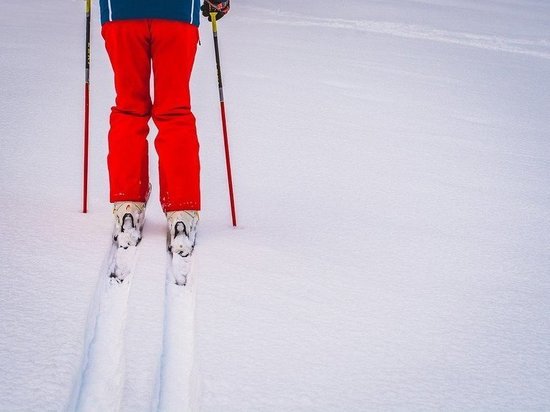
(392, 175)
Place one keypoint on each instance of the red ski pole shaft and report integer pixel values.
(86, 107)
(224, 123)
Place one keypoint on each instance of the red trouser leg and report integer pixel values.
(128, 46)
(173, 49)
(171, 46)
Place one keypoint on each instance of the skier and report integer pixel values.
(144, 36)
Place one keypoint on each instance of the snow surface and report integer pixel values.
(392, 175)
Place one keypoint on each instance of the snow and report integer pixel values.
(391, 165)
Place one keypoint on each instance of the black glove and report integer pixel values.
(221, 7)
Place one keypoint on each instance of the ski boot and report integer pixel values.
(182, 232)
(129, 219)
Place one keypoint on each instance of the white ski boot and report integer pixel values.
(182, 231)
(129, 219)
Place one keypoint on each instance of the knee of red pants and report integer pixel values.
(128, 156)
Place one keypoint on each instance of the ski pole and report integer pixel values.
(86, 107)
(224, 125)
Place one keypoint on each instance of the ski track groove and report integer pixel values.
(100, 382)
(178, 379)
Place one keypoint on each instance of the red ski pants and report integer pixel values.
(167, 48)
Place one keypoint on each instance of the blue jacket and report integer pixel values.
(187, 11)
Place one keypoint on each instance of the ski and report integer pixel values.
(179, 268)
(122, 262)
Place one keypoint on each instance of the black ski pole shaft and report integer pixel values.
(86, 107)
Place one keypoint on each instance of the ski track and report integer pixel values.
(178, 379)
(101, 384)
(535, 48)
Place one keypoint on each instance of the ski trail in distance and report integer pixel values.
(539, 48)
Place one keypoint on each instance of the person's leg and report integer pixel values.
(173, 48)
(128, 45)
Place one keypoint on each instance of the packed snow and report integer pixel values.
(391, 163)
